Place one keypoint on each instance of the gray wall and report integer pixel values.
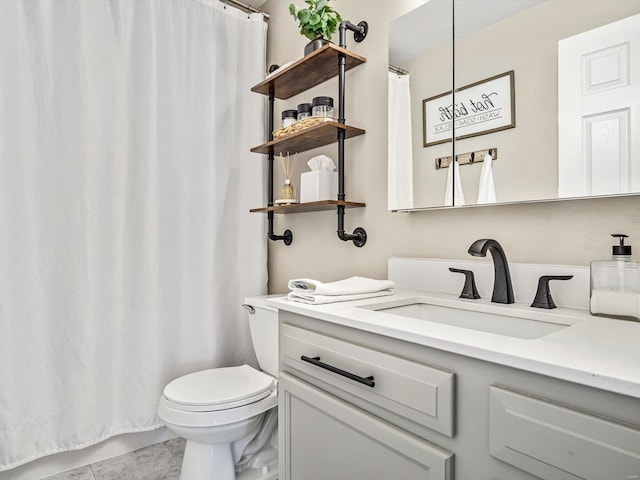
(566, 232)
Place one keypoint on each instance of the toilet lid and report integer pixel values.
(220, 387)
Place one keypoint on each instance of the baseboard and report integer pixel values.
(61, 462)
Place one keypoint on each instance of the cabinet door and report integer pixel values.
(554, 441)
(322, 437)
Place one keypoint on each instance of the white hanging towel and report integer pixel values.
(355, 288)
(487, 186)
(454, 184)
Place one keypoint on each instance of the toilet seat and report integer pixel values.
(218, 397)
(177, 416)
(218, 389)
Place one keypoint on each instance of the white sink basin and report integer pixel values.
(500, 323)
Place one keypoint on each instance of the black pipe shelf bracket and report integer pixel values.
(360, 31)
(285, 84)
(287, 237)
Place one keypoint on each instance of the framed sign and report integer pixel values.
(483, 107)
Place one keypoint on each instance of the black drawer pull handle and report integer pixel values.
(368, 381)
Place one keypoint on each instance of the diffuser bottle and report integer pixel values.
(615, 284)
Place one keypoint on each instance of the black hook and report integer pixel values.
(473, 157)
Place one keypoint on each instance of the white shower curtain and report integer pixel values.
(126, 246)
(400, 148)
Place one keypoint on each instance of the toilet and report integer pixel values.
(228, 415)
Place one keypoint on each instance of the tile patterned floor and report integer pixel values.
(156, 462)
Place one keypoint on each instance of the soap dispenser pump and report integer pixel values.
(615, 284)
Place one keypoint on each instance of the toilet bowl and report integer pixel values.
(229, 415)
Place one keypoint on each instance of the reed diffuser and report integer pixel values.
(288, 166)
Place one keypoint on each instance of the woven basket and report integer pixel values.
(301, 125)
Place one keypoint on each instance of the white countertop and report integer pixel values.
(595, 351)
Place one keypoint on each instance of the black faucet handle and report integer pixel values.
(543, 294)
(469, 290)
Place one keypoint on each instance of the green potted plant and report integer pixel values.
(318, 22)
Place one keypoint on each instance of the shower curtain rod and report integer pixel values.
(398, 70)
(248, 8)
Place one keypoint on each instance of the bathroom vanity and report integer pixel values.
(401, 387)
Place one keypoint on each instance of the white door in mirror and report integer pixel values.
(598, 96)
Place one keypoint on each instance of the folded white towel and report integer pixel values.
(349, 286)
(314, 299)
(314, 292)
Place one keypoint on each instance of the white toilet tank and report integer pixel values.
(263, 322)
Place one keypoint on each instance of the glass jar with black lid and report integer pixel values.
(289, 117)
(322, 107)
(304, 110)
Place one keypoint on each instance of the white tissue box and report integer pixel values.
(318, 185)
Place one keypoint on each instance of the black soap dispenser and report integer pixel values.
(615, 284)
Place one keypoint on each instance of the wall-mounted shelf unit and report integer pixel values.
(313, 69)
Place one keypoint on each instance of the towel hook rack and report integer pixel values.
(468, 158)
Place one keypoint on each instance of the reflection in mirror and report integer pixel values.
(602, 115)
(412, 77)
(576, 102)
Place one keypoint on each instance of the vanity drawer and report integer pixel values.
(418, 392)
(554, 441)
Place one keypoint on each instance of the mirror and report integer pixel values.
(420, 63)
(551, 88)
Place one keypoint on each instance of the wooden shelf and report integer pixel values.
(308, 139)
(311, 70)
(307, 207)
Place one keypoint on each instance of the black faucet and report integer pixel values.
(502, 288)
